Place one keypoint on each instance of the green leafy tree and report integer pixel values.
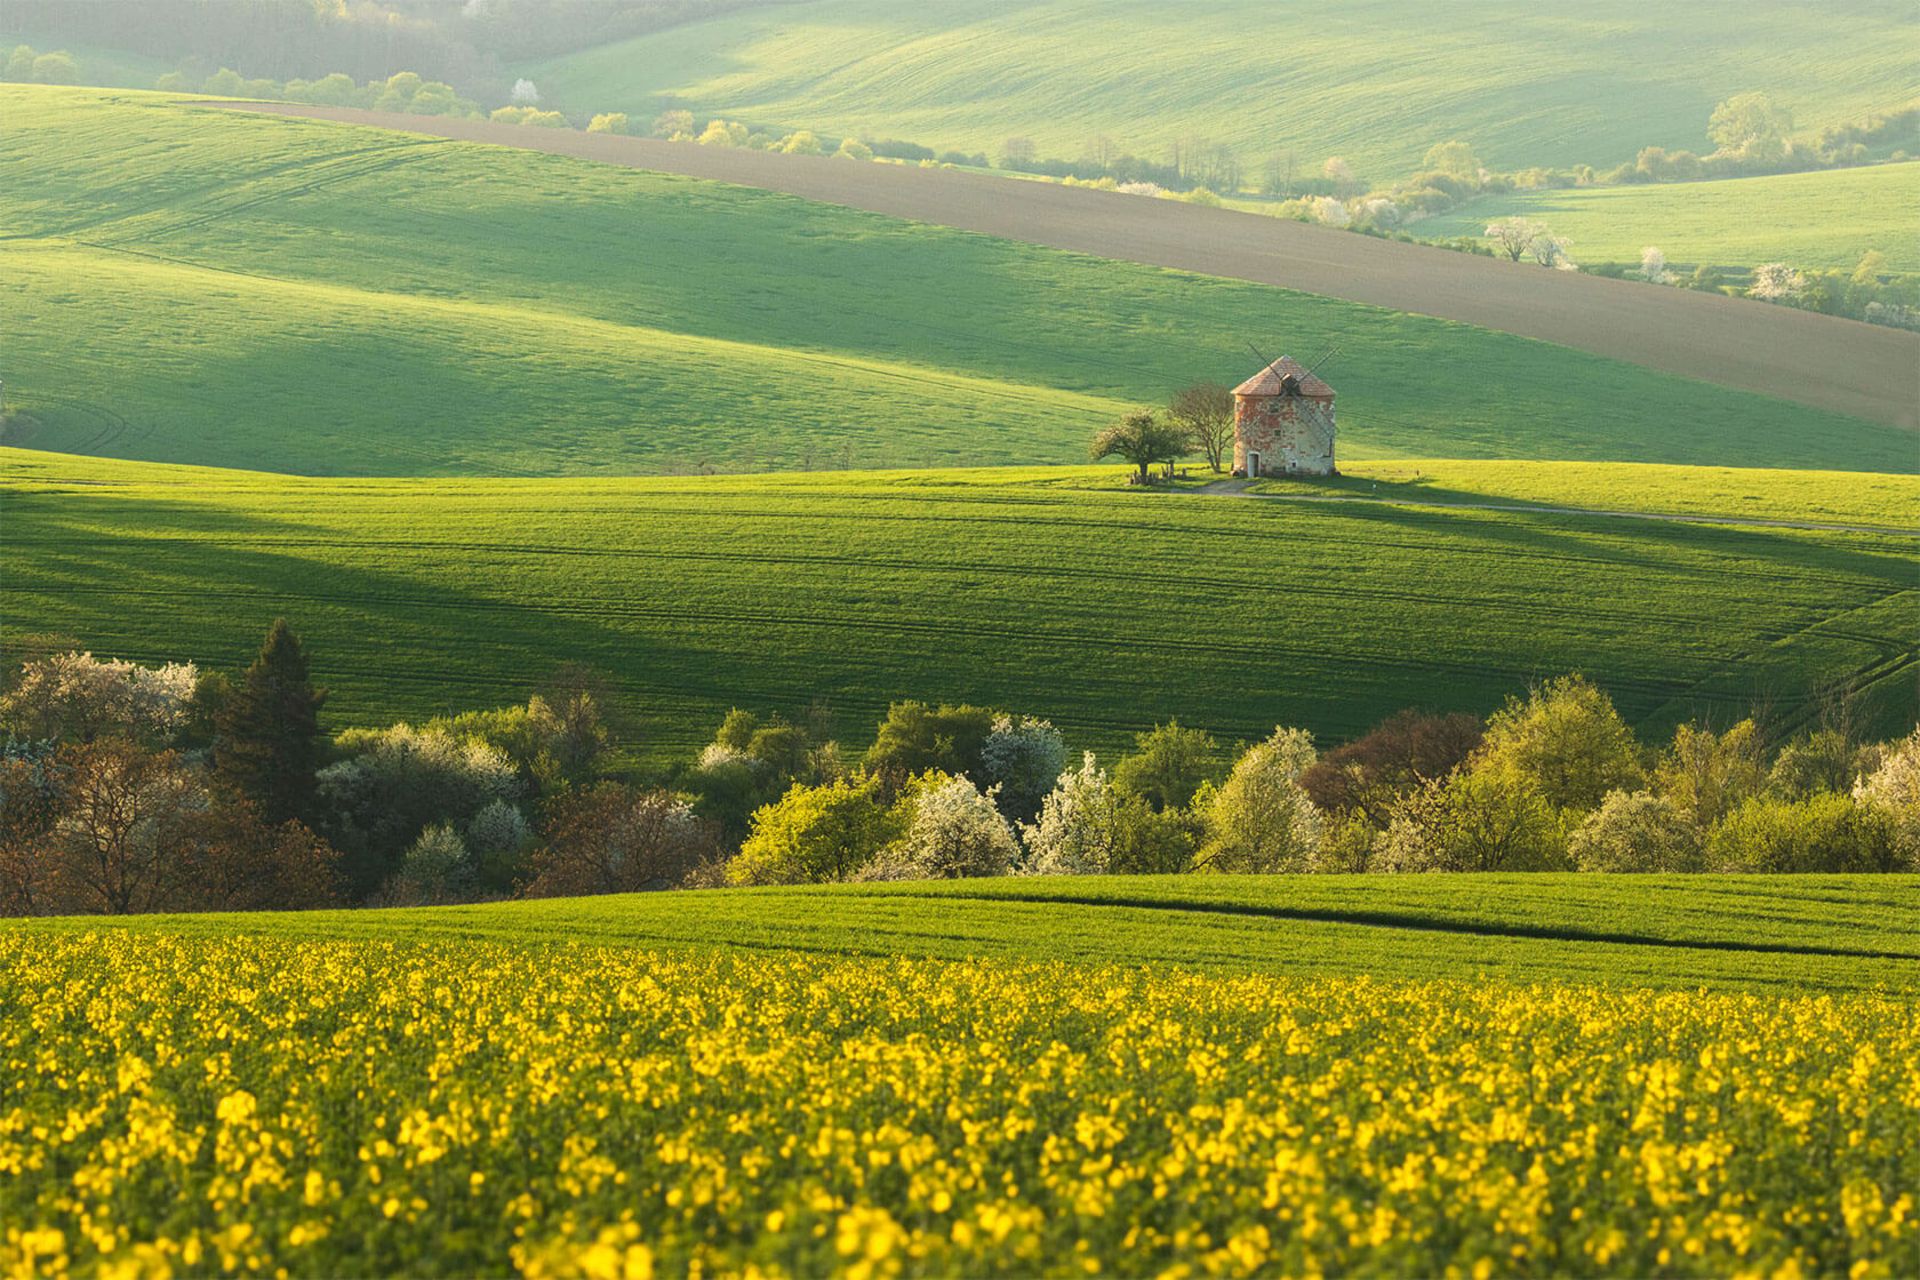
(1751, 126)
(1260, 820)
(1205, 412)
(1565, 742)
(1142, 438)
(268, 742)
(1636, 831)
(816, 834)
(1474, 821)
(916, 738)
(1456, 158)
(1168, 765)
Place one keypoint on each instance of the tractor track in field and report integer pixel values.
(1868, 371)
(1224, 489)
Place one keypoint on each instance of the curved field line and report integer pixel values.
(1841, 365)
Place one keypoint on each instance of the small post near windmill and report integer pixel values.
(1283, 420)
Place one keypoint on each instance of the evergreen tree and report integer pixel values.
(269, 730)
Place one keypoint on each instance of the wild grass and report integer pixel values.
(1106, 610)
(195, 285)
(1377, 82)
(1826, 219)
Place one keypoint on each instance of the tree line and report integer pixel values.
(129, 788)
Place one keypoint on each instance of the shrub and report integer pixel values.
(437, 868)
(608, 122)
(1474, 821)
(673, 124)
(1636, 831)
(815, 834)
(1827, 832)
(1202, 196)
(616, 839)
(1261, 820)
(1565, 742)
(853, 149)
(55, 68)
(802, 143)
(1021, 759)
(723, 133)
(396, 783)
(953, 831)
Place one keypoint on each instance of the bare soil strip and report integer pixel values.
(1845, 366)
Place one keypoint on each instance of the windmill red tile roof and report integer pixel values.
(1267, 381)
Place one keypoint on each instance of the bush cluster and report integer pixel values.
(130, 788)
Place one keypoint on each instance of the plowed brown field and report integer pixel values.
(1841, 365)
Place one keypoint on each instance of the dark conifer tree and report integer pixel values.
(268, 743)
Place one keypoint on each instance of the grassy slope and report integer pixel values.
(1107, 610)
(1808, 219)
(1377, 81)
(195, 285)
(1833, 933)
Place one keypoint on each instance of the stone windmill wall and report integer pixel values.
(1283, 423)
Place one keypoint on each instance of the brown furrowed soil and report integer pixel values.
(1865, 370)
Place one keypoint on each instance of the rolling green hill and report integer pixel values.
(1377, 81)
(1826, 219)
(190, 284)
(1803, 933)
(1106, 609)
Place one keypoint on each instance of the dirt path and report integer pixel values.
(1865, 370)
(1238, 489)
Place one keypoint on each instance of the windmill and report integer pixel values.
(1319, 443)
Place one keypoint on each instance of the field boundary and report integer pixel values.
(1845, 366)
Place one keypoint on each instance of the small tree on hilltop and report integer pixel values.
(269, 730)
(1143, 439)
(1205, 411)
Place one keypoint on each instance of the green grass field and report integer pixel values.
(1832, 933)
(1377, 82)
(1107, 610)
(188, 284)
(1824, 219)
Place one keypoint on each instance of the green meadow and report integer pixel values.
(1824, 219)
(1377, 82)
(188, 284)
(1760, 933)
(1105, 609)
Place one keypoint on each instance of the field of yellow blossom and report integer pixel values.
(181, 1104)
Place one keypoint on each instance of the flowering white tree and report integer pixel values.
(1894, 788)
(1022, 758)
(1261, 819)
(524, 94)
(1550, 250)
(1329, 212)
(1514, 236)
(78, 697)
(955, 831)
(1776, 282)
(1653, 266)
(1074, 835)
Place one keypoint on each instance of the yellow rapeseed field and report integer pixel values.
(196, 1105)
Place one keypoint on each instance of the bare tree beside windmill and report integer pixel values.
(1283, 421)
